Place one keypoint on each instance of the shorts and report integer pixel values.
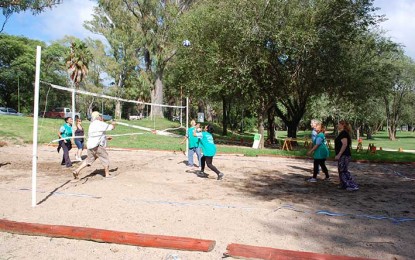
(79, 143)
(98, 152)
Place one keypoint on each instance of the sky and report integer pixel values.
(68, 17)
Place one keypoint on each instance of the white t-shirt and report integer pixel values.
(96, 134)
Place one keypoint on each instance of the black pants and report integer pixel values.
(208, 160)
(66, 147)
(322, 164)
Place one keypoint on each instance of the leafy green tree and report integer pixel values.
(123, 62)
(149, 22)
(53, 70)
(402, 85)
(17, 70)
(9, 7)
(277, 54)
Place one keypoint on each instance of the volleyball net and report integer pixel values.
(139, 114)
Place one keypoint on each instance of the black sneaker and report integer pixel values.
(220, 176)
(202, 174)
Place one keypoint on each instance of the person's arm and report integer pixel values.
(184, 139)
(313, 149)
(61, 131)
(319, 141)
(342, 149)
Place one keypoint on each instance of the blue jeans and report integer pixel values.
(79, 143)
(192, 151)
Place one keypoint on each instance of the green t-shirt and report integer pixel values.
(193, 140)
(322, 152)
(208, 146)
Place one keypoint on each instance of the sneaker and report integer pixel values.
(352, 189)
(312, 180)
(327, 178)
(220, 176)
(202, 174)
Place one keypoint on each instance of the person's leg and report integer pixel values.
(203, 163)
(190, 157)
(315, 168)
(66, 159)
(322, 164)
(75, 173)
(82, 149)
(104, 158)
(61, 146)
(91, 157)
(343, 170)
(199, 155)
(209, 162)
(346, 177)
(78, 152)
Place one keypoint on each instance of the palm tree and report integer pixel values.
(77, 66)
(77, 62)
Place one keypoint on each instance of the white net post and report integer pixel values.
(35, 125)
(73, 105)
(187, 124)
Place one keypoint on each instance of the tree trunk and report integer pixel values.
(261, 129)
(157, 96)
(292, 129)
(225, 117)
(209, 113)
(118, 110)
(271, 125)
(392, 132)
(262, 110)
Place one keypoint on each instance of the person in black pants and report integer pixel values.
(320, 153)
(65, 134)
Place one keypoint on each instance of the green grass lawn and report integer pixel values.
(18, 130)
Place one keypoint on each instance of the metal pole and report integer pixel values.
(187, 124)
(73, 104)
(181, 104)
(18, 94)
(35, 125)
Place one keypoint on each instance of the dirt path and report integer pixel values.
(262, 201)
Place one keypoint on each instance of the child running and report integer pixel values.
(209, 151)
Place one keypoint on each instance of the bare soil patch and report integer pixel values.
(262, 201)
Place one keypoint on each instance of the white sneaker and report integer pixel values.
(312, 180)
(78, 159)
(352, 189)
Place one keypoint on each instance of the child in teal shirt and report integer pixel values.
(209, 151)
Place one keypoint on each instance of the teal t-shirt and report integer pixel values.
(322, 152)
(66, 131)
(208, 146)
(193, 140)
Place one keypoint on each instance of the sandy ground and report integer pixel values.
(262, 201)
